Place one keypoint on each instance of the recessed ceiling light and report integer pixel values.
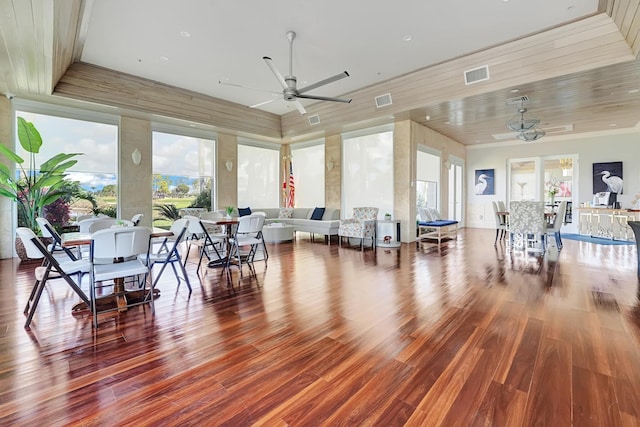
(634, 91)
(428, 117)
(192, 125)
(447, 123)
(407, 38)
(613, 125)
(164, 58)
(514, 90)
(185, 33)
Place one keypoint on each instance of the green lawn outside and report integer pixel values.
(180, 203)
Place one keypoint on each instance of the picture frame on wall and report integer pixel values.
(484, 182)
(607, 177)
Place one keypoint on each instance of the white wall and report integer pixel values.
(622, 146)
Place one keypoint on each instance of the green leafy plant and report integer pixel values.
(33, 189)
(167, 211)
(229, 210)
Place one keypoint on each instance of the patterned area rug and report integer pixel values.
(596, 240)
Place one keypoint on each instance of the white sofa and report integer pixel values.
(301, 220)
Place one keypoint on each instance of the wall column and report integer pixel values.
(134, 181)
(333, 177)
(227, 182)
(7, 220)
(404, 179)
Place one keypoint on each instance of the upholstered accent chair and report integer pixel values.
(527, 225)
(361, 225)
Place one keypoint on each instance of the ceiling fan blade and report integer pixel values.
(342, 75)
(299, 107)
(249, 87)
(260, 104)
(324, 98)
(275, 71)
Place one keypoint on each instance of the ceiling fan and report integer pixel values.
(290, 92)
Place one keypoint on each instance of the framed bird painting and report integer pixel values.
(607, 177)
(484, 182)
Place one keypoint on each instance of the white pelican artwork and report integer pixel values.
(614, 183)
(481, 184)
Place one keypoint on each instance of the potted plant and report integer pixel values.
(229, 211)
(33, 189)
(387, 216)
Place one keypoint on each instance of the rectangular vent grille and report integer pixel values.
(476, 75)
(383, 100)
(314, 120)
(518, 100)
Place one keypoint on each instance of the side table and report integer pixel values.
(388, 228)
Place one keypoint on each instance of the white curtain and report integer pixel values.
(367, 172)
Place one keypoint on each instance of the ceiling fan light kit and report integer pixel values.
(526, 128)
(289, 83)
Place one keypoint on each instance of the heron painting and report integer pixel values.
(484, 184)
(607, 177)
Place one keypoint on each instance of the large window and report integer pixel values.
(308, 171)
(367, 171)
(427, 179)
(456, 180)
(183, 170)
(258, 165)
(95, 171)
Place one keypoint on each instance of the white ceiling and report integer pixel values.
(229, 38)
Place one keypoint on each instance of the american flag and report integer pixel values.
(291, 197)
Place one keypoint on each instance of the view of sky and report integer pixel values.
(173, 155)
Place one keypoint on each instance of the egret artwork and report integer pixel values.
(607, 177)
(484, 182)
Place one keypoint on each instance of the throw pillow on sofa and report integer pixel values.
(317, 214)
(285, 213)
(244, 211)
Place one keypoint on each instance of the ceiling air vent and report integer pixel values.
(383, 100)
(518, 100)
(314, 120)
(476, 75)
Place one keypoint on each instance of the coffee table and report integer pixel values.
(277, 233)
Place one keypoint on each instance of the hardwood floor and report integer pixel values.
(469, 335)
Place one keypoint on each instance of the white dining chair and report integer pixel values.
(247, 234)
(51, 268)
(114, 256)
(168, 253)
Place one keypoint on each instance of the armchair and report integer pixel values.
(362, 225)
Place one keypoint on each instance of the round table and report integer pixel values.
(277, 233)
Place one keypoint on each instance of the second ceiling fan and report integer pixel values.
(290, 91)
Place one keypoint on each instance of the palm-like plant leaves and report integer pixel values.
(33, 190)
(168, 211)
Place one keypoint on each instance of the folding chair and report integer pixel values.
(166, 256)
(199, 236)
(248, 233)
(51, 268)
(47, 230)
(114, 256)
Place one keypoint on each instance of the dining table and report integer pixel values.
(120, 295)
(229, 224)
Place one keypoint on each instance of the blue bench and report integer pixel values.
(438, 229)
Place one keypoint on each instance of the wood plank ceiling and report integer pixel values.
(580, 77)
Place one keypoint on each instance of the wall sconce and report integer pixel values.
(136, 157)
(229, 165)
(330, 165)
